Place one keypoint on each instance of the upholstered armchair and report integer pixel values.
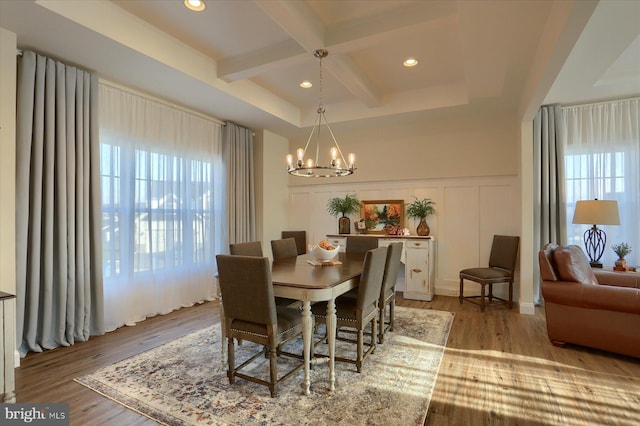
(598, 309)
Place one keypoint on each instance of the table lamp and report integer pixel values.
(596, 212)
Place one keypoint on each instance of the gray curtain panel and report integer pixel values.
(58, 244)
(549, 181)
(237, 149)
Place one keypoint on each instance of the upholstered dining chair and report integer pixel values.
(251, 314)
(360, 244)
(300, 237)
(359, 312)
(253, 248)
(502, 262)
(387, 290)
(284, 248)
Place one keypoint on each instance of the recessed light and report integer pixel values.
(195, 5)
(306, 84)
(410, 62)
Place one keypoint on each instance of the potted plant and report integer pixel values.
(420, 209)
(345, 206)
(621, 250)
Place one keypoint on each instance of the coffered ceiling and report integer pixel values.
(244, 60)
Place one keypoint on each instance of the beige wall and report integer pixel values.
(272, 198)
(429, 146)
(7, 160)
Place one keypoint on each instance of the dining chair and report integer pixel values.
(253, 248)
(502, 262)
(251, 314)
(284, 248)
(387, 290)
(360, 244)
(300, 237)
(359, 312)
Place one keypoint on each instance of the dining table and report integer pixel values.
(297, 278)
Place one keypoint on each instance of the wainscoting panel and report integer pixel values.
(469, 211)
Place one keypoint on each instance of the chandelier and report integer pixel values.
(307, 166)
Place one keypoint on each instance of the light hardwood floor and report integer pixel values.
(498, 369)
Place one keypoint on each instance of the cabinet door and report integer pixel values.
(418, 285)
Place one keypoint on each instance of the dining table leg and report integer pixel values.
(331, 337)
(307, 341)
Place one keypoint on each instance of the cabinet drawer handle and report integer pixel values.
(416, 270)
(416, 244)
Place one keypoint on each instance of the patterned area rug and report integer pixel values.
(184, 382)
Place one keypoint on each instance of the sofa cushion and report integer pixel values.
(572, 265)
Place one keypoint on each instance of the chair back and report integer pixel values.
(371, 278)
(391, 268)
(300, 237)
(361, 244)
(504, 252)
(253, 248)
(284, 248)
(247, 290)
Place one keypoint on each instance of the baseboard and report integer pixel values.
(527, 309)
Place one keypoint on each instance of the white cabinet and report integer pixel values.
(418, 256)
(419, 270)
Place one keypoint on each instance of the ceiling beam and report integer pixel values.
(276, 56)
(299, 21)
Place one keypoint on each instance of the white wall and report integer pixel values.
(7, 161)
(469, 211)
(272, 198)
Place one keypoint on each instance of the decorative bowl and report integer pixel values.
(320, 254)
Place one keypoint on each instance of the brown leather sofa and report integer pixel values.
(598, 309)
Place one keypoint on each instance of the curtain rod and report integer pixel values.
(160, 100)
(598, 103)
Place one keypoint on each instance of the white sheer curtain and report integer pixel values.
(161, 204)
(602, 160)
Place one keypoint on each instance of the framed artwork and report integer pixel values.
(381, 216)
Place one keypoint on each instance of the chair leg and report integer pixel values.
(273, 372)
(461, 297)
(510, 294)
(360, 350)
(374, 327)
(381, 321)
(392, 313)
(231, 360)
(490, 293)
(482, 304)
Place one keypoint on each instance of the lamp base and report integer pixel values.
(595, 264)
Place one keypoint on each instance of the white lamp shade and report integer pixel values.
(597, 212)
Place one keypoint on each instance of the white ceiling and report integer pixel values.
(243, 60)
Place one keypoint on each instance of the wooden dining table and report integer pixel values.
(295, 278)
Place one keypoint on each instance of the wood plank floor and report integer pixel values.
(498, 369)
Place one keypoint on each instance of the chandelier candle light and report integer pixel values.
(596, 212)
(336, 165)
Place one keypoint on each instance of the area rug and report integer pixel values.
(185, 383)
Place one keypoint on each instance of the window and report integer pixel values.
(602, 160)
(162, 213)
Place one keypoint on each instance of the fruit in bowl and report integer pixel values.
(323, 251)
